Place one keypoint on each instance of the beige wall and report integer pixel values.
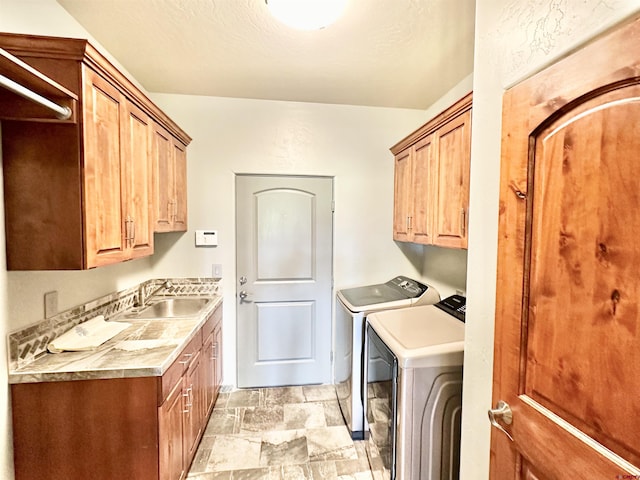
(513, 40)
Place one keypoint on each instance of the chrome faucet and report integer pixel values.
(142, 298)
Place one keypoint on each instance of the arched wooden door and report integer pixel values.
(567, 352)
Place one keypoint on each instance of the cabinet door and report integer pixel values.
(209, 368)
(170, 184)
(104, 208)
(423, 176)
(452, 197)
(401, 196)
(137, 176)
(164, 183)
(192, 420)
(170, 436)
(180, 187)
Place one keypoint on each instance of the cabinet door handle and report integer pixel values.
(409, 223)
(126, 232)
(189, 395)
(187, 360)
(129, 231)
(463, 221)
(214, 352)
(189, 403)
(175, 209)
(133, 232)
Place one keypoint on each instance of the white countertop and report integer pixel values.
(423, 336)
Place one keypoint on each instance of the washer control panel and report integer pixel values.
(412, 288)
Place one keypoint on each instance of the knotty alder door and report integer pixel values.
(567, 328)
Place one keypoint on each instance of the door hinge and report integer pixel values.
(331, 356)
(333, 206)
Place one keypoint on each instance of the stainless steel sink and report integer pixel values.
(172, 308)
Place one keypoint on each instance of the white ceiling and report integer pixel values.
(390, 53)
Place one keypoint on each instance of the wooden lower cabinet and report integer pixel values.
(172, 464)
(193, 400)
(212, 361)
(145, 428)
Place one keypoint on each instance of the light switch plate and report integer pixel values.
(217, 270)
(50, 304)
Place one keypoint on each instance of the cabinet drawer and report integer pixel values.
(178, 367)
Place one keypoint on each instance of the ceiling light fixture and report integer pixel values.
(306, 14)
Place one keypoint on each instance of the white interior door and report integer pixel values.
(284, 245)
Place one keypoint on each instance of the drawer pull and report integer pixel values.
(187, 360)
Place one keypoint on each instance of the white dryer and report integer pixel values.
(414, 392)
(352, 307)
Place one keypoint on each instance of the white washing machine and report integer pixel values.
(353, 305)
(414, 390)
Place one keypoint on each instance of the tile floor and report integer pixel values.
(284, 433)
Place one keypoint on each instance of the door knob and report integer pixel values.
(243, 294)
(501, 412)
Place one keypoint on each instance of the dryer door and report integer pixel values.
(382, 402)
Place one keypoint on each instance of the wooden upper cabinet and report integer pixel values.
(414, 175)
(137, 164)
(80, 193)
(170, 156)
(180, 186)
(452, 180)
(431, 191)
(401, 204)
(117, 180)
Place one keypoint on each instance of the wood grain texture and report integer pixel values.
(108, 142)
(452, 181)
(584, 270)
(401, 196)
(431, 183)
(163, 179)
(137, 163)
(423, 187)
(170, 431)
(566, 285)
(170, 157)
(99, 429)
(38, 178)
(104, 191)
(180, 186)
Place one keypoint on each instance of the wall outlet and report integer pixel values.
(217, 270)
(50, 304)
